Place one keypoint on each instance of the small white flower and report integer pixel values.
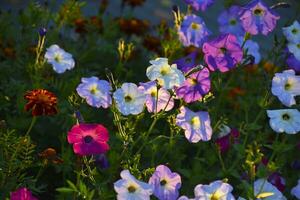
(285, 120)
(129, 188)
(292, 32)
(224, 130)
(294, 48)
(286, 86)
(166, 75)
(129, 99)
(59, 59)
(296, 190)
(266, 191)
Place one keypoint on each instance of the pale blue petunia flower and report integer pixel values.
(292, 32)
(263, 190)
(294, 48)
(284, 120)
(296, 190)
(215, 190)
(130, 99)
(59, 59)
(97, 93)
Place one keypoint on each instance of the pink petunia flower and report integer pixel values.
(22, 194)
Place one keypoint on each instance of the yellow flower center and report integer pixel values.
(216, 195)
(258, 11)
(164, 70)
(264, 195)
(286, 116)
(131, 189)
(193, 81)
(128, 98)
(94, 89)
(153, 93)
(163, 182)
(57, 58)
(295, 31)
(196, 122)
(195, 26)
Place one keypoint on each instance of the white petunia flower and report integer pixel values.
(292, 32)
(129, 99)
(167, 76)
(129, 188)
(286, 86)
(263, 190)
(285, 120)
(59, 59)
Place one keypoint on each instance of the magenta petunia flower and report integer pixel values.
(154, 96)
(193, 31)
(165, 183)
(196, 125)
(195, 86)
(88, 139)
(227, 137)
(277, 180)
(187, 63)
(199, 4)
(222, 53)
(257, 18)
(22, 194)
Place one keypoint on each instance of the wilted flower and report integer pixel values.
(222, 53)
(22, 194)
(277, 180)
(296, 190)
(200, 4)
(187, 63)
(156, 99)
(193, 31)
(215, 190)
(257, 18)
(88, 139)
(59, 59)
(195, 86)
(196, 125)
(129, 188)
(265, 190)
(165, 183)
(97, 93)
(285, 120)
(230, 22)
(292, 32)
(286, 86)
(166, 75)
(226, 138)
(133, 26)
(49, 155)
(41, 102)
(129, 99)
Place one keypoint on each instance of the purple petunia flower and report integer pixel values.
(230, 22)
(222, 53)
(195, 86)
(154, 95)
(200, 4)
(195, 124)
(257, 18)
(185, 64)
(193, 31)
(226, 138)
(165, 183)
(293, 63)
(277, 180)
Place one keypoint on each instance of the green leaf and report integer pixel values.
(65, 190)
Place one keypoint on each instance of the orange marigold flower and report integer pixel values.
(42, 102)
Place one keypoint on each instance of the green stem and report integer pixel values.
(221, 161)
(89, 169)
(31, 125)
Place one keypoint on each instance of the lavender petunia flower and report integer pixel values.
(185, 64)
(293, 63)
(160, 96)
(296, 190)
(200, 4)
(257, 18)
(195, 86)
(294, 48)
(165, 183)
(222, 53)
(195, 124)
(230, 22)
(193, 31)
(97, 93)
(252, 49)
(215, 190)
(292, 32)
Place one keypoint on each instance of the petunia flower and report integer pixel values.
(41, 102)
(230, 22)
(199, 4)
(266, 191)
(215, 190)
(222, 53)
(294, 48)
(195, 86)
(156, 99)
(286, 86)
(284, 120)
(293, 63)
(88, 139)
(257, 18)
(277, 180)
(165, 183)
(167, 76)
(196, 125)
(226, 138)
(97, 93)
(129, 188)
(252, 48)
(193, 31)
(187, 63)
(22, 194)
(129, 99)
(292, 32)
(296, 190)
(59, 59)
